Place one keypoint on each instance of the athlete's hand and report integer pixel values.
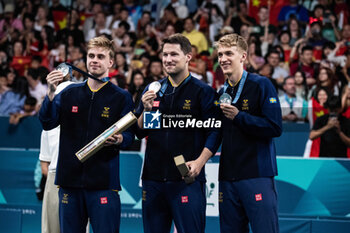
(53, 79)
(229, 110)
(195, 167)
(115, 139)
(147, 100)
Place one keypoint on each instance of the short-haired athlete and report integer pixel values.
(166, 196)
(88, 190)
(247, 192)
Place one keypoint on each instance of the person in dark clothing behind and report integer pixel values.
(334, 130)
(247, 191)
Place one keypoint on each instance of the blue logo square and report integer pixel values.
(151, 120)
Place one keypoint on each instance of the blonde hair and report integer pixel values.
(231, 40)
(102, 42)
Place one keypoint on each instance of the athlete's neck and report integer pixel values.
(176, 80)
(235, 77)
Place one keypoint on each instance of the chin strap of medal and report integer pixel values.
(71, 67)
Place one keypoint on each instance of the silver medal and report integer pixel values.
(225, 99)
(63, 68)
(154, 86)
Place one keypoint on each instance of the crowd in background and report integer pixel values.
(304, 50)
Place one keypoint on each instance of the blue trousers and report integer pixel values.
(163, 202)
(251, 201)
(102, 207)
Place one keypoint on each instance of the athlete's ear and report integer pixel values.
(244, 57)
(189, 57)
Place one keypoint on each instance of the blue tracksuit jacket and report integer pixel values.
(248, 150)
(192, 97)
(83, 115)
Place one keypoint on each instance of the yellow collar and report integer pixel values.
(172, 84)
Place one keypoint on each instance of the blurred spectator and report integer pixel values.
(89, 23)
(124, 16)
(267, 70)
(345, 101)
(294, 30)
(121, 65)
(36, 88)
(306, 65)
(148, 41)
(263, 21)
(99, 28)
(136, 86)
(197, 66)
(12, 100)
(119, 33)
(155, 71)
(119, 80)
(20, 61)
(326, 78)
(42, 19)
(316, 40)
(302, 90)
(284, 38)
(195, 37)
(239, 16)
(293, 107)
(300, 12)
(180, 9)
(135, 10)
(254, 59)
(316, 106)
(42, 45)
(11, 76)
(73, 29)
(29, 109)
(115, 16)
(279, 73)
(143, 21)
(170, 17)
(334, 131)
(9, 23)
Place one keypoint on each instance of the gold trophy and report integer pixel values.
(96, 144)
(183, 168)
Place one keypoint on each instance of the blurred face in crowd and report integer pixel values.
(243, 8)
(100, 19)
(174, 59)
(346, 32)
(244, 31)
(294, 25)
(306, 57)
(11, 77)
(298, 77)
(263, 14)
(273, 59)
(266, 70)
(318, 12)
(3, 82)
(99, 62)
(322, 96)
(156, 68)
(28, 24)
(188, 26)
(323, 77)
(285, 38)
(169, 30)
(289, 87)
(18, 49)
(41, 13)
(124, 15)
(120, 60)
(138, 80)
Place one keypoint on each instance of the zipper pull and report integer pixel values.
(92, 96)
